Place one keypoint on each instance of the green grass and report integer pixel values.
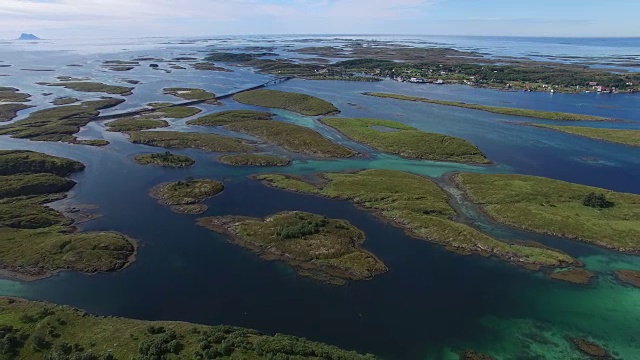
(10, 111)
(209, 67)
(295, 138)
(92, 142)
(254, 160)
(299, 103)
(230, 116)
(66, 100)
(620, 136)
(35, 240)
(548, 115)
(33, 184)
(325, 249)
(422, 208)
(408, 141)
(66, 332)
(24, 161)
(186, 195)
(86, 86)
(185, 140)
(9, 94)
(189, 93)
(57, 123)
(134, 124)
(555, 207)
(166, 159)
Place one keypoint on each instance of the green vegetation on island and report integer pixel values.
(36, 330)
(83, 86)
(619, 136)
(58, 123)
(166, 159)
(548, 115)
(576, 276)
(65, 100)
(295, 138)
(230, 116)
(406, 141)
(186, 140)
(299, 103)
(178, 112)
(418, 205)
(92, 142)
(10, 94)
(558, 208)
(631, 277)
(37, 241)
(9, 112)
(189, 93)
(209, 67)
(135, 123)
(185, 196)
(325, 249)
(31, 162)
(264, 160)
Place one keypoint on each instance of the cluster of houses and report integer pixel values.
(418, 80)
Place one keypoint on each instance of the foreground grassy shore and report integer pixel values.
(184, 140)
(619, 136)
(37, 241)
(58, 123)
(185, 196)
(406, 141)
(548, 115)
(324, 249)
(422, 208)
(299, 103)
(165, 159)
(558, 208)
(254, 160)
(38, 330)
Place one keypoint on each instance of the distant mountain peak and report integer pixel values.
(25, 36)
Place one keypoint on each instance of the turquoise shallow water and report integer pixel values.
(430, 305)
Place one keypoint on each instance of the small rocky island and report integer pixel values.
(324, 249)
(185, 196)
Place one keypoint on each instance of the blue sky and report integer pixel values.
(117, 18)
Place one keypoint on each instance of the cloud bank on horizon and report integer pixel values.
(124, 18)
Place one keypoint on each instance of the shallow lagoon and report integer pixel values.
(428, 305)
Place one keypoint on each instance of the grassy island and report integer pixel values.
(136, 123)
(189, 93)
(229, 117)
(185, 196)
(37, 330)
(37, 241)
(406, 141)
(185, 140)
(209, 67)
(92, 142)
(631, 277)
(576, 276)
(9, 94)
(30, 162)
(548, 115)
(65, 100)
(619, 136)
(418, 205)
(254, 160)
(324, 249)
(295, 138)
(58, 123)
(9, 112)
(166, 159)
(178, 112)
(84, 86)
(299, 103)
(558, 208)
